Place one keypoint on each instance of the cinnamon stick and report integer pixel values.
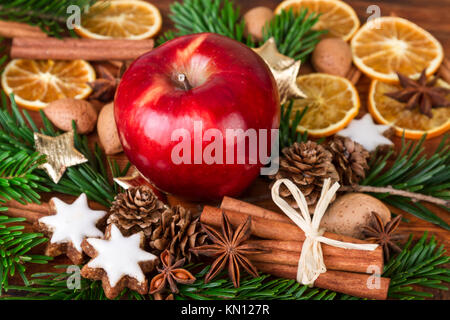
(444, 70)
(72, 49)
(354, 284)
(288, 253)
(34, 211)
(264, 228)
(43, 208)
(9, 29)
(353, 75)
(31, 216)
(236, 205)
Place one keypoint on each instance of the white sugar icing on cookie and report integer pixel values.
(120, 256)
(74, 222)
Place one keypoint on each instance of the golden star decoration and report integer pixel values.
(284, 69)
(60, 152)
(135, 179)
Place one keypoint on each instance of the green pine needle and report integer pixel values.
(293, 33)
(50, 16)
(422, 265)
(412, 170)
(14, 250)
(288, 125)
(16, 137)
(223, 18)
(17, 178)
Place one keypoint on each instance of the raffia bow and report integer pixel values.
(311, 264)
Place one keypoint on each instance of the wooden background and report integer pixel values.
(433, 15)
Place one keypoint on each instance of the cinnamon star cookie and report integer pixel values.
(69, 226)
(118, 261)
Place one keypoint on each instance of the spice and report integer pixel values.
(384, 234)
(171, 273)
(421, 94)
(229, 247)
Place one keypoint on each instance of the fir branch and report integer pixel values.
(17, 178)
(14, 250)
(222, 17)
(288, 125)
(421, 265)
(413, 195)
(413, 171)
(49, 15)
(293, 33)
(16, 135)
(45, 286)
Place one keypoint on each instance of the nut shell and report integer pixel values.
(332, 56)
(62, 112)
(255, 19)
(107, 130)
(351, 212)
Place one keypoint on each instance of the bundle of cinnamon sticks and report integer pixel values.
(348, 271)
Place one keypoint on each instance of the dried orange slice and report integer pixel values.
(388, 45)
(122, 19)
(336, 16)
(332, 103)
(35, 83)
(415, 124)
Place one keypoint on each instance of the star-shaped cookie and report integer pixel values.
(118, 261)
(60, 152)
(366, 133)
(69, 226)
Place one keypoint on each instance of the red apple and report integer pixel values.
(203, 78)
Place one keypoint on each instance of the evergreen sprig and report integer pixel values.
(54, 286)
(16, 135)
(421, 265)
(197, 16)
(288, 125)
(293, 33)
(14, 250)
(50, 16)
(412, 170)
(17, 178)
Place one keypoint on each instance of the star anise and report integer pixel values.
(104, 87)
(171, 273)
(384, 234)
(421, 93)
(229, 247)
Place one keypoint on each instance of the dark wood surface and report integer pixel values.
(432, 15)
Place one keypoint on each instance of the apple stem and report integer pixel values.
(183, 80)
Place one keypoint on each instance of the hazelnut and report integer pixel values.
(255, 20)
(107, 130)
(332, 56)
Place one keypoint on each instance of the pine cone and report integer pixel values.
(307, 165)
(350, 159)
(178, 232)
(137, 209)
